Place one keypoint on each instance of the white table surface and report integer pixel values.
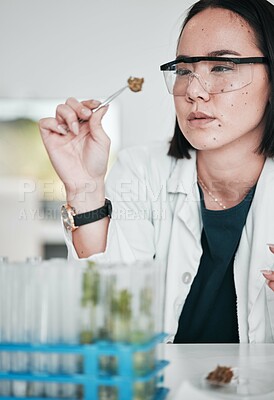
(190, 363)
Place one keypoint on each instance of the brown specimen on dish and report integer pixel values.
(135, 84)
(220, 375)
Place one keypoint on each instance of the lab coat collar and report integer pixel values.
(184, 176)
(183, 182)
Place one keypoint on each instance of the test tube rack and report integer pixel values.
(91, 377)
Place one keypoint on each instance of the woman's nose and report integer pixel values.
(195, 88)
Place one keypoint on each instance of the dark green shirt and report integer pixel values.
(209, 314)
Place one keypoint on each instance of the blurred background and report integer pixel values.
(54, 49)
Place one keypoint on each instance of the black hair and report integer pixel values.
(259, 14)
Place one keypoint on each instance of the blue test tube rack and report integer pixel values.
(92, 378)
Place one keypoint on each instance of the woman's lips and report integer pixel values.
(199, 119)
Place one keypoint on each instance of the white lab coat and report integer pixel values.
(156, 212)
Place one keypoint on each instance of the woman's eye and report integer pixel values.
(182, 72)
(222, 68)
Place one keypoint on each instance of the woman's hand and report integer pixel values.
(78, 151)
(268, 274)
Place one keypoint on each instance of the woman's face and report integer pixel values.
(211, 121)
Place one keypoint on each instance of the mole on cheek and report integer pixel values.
(219, 125)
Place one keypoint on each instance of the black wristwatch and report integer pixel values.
(72, 220)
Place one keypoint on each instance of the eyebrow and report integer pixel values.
(216, 53)
(222, 53)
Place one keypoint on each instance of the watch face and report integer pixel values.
(67, 217)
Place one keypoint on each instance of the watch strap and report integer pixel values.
(94, 215)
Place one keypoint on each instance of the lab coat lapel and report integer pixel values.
(252, 256)
(182, 184)
(185, 235)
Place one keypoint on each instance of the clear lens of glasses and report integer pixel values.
(214, 76)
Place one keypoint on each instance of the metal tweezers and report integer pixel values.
(107, 101)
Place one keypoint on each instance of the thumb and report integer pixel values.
(95, 122)
(98, 115)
